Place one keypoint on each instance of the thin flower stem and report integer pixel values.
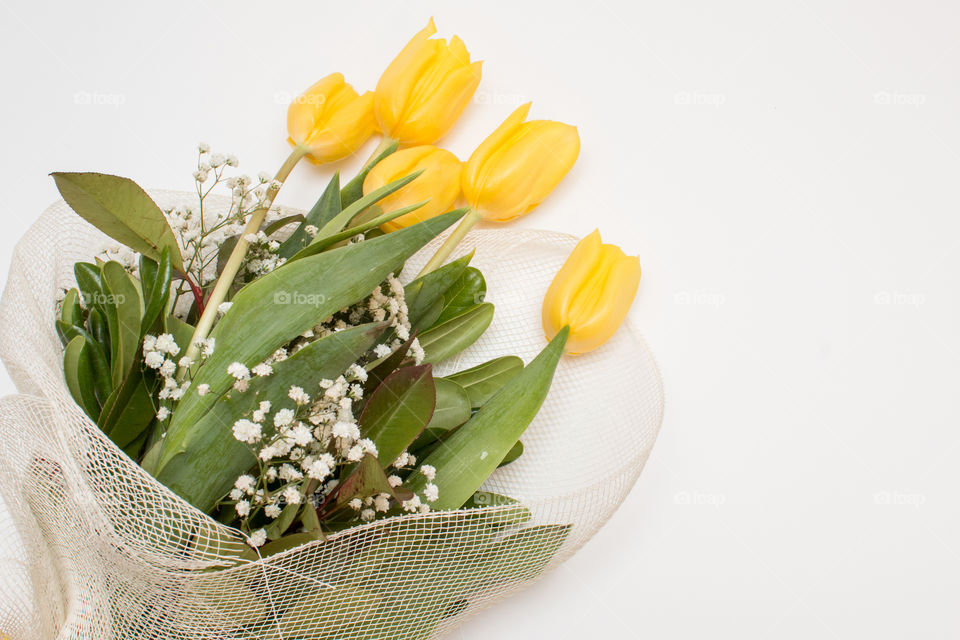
(468, 222)
(234, 262)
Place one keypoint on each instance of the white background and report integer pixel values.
(787, 173)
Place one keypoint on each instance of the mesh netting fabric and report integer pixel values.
(108, 552)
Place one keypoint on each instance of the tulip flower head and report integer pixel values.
(518, 165)
(591, 294)
(439, 183)
(331, 119)
(425, 89)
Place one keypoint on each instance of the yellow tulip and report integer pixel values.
(331, 120)
(591, 293)
(425, 89)
(518, 166)
(439, 183)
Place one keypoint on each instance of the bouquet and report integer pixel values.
(269, 410)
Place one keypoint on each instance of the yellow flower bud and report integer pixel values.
(331, 119)
(425, 89)
(439, 183)
(518, 165)
(591, 293)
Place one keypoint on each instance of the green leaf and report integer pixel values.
(398, 411)
(325, 209)
(427, 290)
(453, 405)
(90, 284)
(97, 324)
(484, 380)
(286, 543)
(467, 292)
(471, 454)
(340, 221)
(515, 452)
(452, 410)
(70, 312)
(78, 372)
(201, 460)
(155, 285)
(455, 335)
(276, 529)
(123, 318)
(130, 417)
(353, 190)
(122, 210)
(350, 232)
(286, 302)
(280, 223)
(368, 479)
(322, 612)
(384, 367)
(181, 331)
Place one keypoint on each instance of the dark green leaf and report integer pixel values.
(467, 292)
(455, 335)
(155, 278)
(325, 210)
(398, 411)
(485, 380)
(129, 420)
(90, 284)
(427, 290)
(384, 367)
(368, 479)
(122, 210)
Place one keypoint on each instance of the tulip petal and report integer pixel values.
(478, 167)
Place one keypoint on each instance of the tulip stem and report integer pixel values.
(234, 262)
(468, 222)
(385, 143)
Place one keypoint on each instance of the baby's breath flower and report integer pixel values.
(262, 370)
(247, 431)
(258, 538)
(239, 371)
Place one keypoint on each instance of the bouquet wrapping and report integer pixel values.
(109, 552)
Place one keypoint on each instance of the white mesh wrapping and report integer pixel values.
(111, 553)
